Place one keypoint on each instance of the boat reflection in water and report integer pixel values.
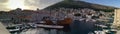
(82, 27)
(66, 26)
(70, 27)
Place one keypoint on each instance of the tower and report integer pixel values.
(116, 22)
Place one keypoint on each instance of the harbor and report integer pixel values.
(63, 17)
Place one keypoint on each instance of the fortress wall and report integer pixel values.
(116, 18)
(3, 30)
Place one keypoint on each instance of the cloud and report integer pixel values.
(40, 3)
(31, 4)
(3, 5)
(3, 1)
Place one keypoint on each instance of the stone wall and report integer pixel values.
(3, 30)
(116, 22)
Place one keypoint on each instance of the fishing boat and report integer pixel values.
(60, 24)
(50, 26)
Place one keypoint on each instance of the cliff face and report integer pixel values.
(78, 4)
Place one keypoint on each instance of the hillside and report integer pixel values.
(79, 4)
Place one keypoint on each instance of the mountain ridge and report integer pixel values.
(79, 4)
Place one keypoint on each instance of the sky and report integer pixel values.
(114, 3)
(41, 4)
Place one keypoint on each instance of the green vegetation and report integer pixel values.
(80, 4)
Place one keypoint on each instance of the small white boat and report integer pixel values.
(50, 26)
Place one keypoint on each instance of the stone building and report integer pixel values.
(116, 18)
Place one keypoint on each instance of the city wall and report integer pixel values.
(116, 22)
